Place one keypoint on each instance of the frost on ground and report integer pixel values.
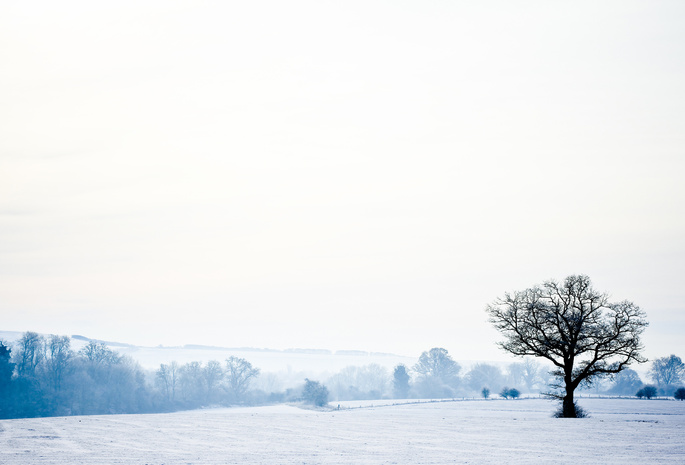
(619, 431)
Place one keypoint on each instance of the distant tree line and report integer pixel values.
(43, 376)
(435, 375)
(193, 385)
(667, 375)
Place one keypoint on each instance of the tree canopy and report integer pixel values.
(667, 371)
(573, 326)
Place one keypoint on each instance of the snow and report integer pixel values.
(521, 431)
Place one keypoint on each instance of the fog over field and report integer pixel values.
(227, 219)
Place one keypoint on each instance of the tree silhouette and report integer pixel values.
(573, 326)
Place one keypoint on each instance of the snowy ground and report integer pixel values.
(477, 432)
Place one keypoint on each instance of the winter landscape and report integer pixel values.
(342, 232)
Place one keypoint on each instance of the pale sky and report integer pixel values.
(341, 175)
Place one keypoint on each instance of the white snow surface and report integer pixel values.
(619, 431)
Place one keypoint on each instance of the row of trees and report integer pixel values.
(435, 375)
(667, 374)
(45, 377)
(194, 384)
(42, 376)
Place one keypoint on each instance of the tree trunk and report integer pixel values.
(569, 407)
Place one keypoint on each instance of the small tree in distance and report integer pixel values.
(485, 393)
(438, 373)
(315, 393)
(667, 372)
(573, 326)
(400, 382)
(626, 383)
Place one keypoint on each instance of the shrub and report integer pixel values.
(647, 391)
(679, 393)
(507, 393)
(580, 411)
(485, 392)
(315, 393)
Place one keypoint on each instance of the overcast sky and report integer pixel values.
(341, 175)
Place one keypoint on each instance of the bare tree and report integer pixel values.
(212, 373)
(191, 382)
(162, 380)
(438, 374)
(437, 363)
(667, 371)
(483, 375)
(627, 382)
(239, 373)
(573, 326)
(526, 372)
(373, 379)
(57, 356)
(29, 353)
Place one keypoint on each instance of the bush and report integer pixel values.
(507, 393)
(580, 411)
(315, 393)
(647, 391)
(679, 393)
(485, 392)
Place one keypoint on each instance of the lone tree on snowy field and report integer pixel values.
(573, 326)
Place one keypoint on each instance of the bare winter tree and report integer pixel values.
(57, 357)
(483, 375)
(212, 374)
(239, 372)
(573, 326)
(437, 363)
(29, 353)
(667, 371)
(163, 381)
(437, 374)
(525, 373)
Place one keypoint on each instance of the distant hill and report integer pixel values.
(308, 361)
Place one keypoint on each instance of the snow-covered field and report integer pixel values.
(621, 431)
